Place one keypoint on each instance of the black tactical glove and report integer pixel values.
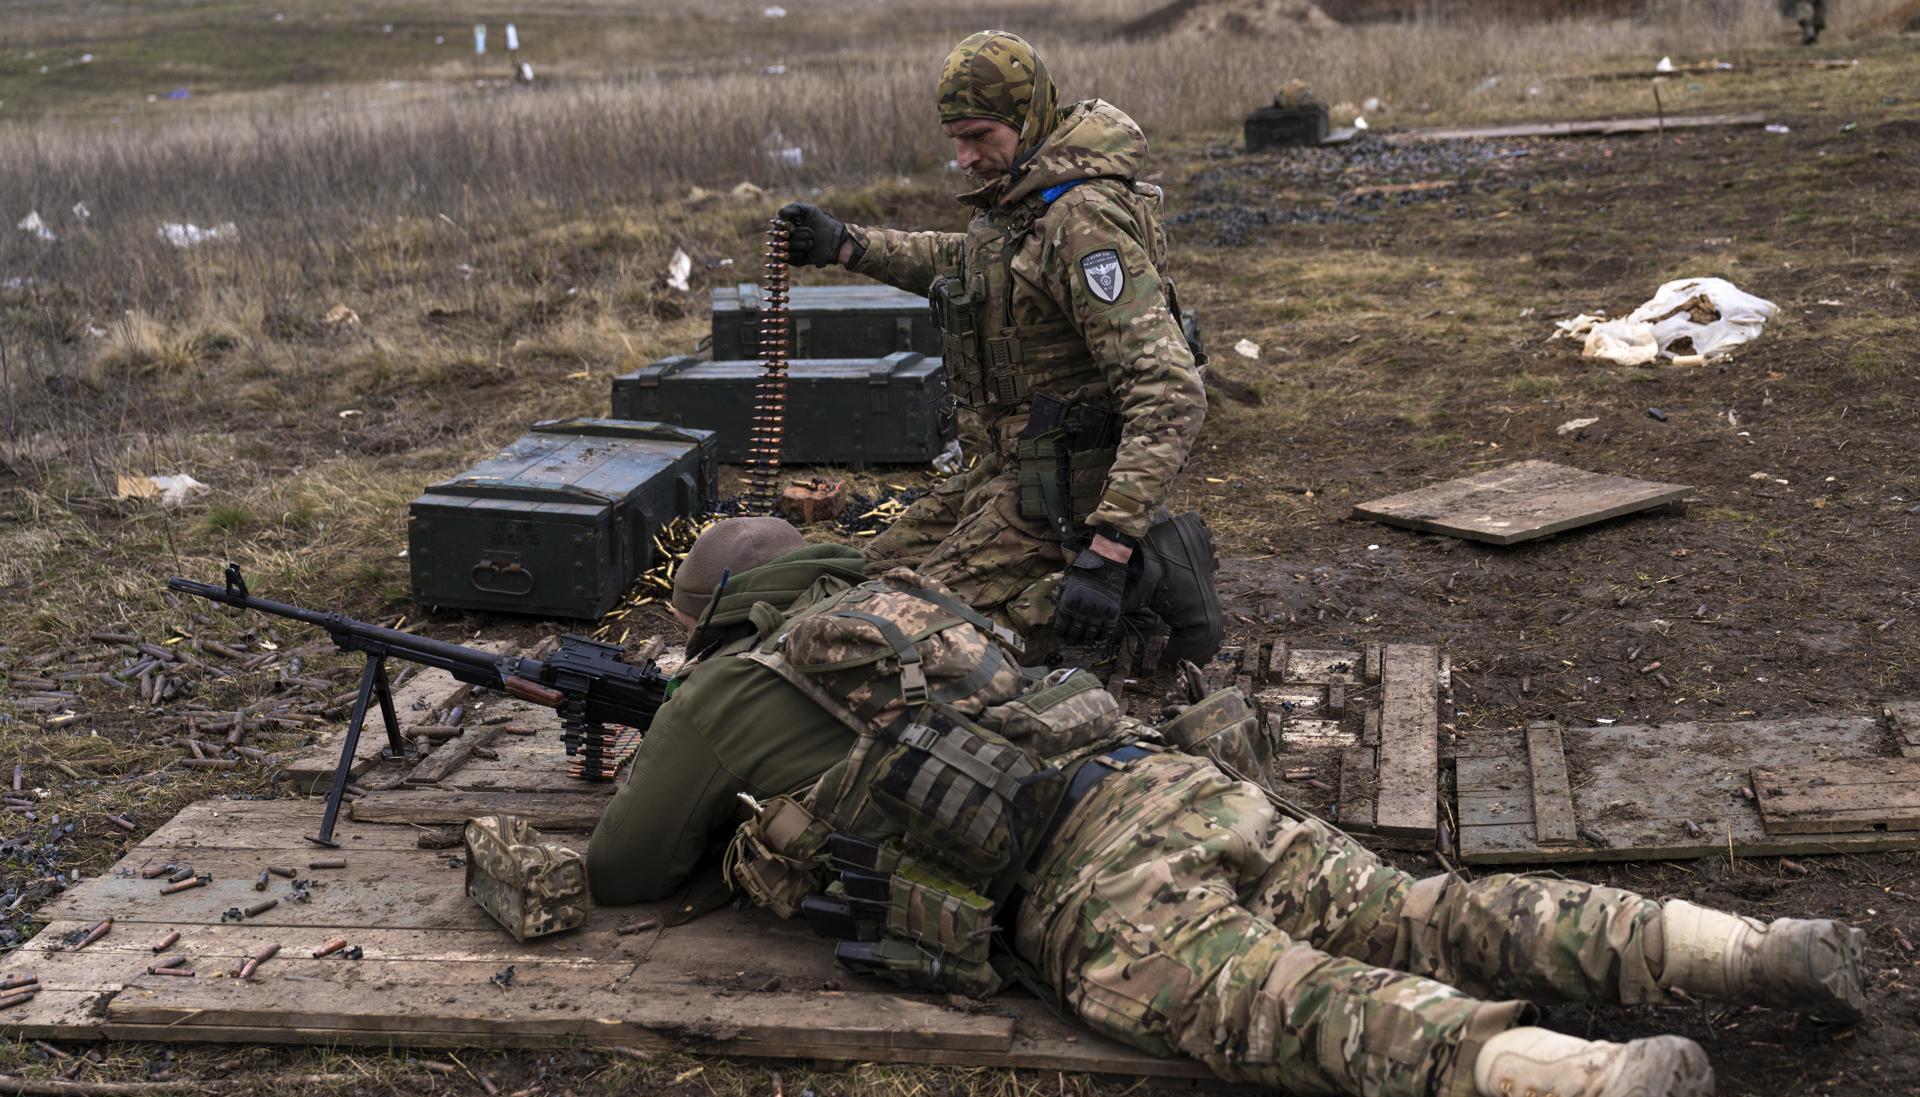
(816, 235)
(1092, 594)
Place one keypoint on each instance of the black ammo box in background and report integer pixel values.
(840, 411)
(1283, 127)
(869, 321)
(562, 521)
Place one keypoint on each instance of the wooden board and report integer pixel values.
(560, 811)
(1552, 800)
(736, 983)
(1840, 797)
(1603, 127)
(1671, 791)
(1359, 789)
(1519, 502)
(1409, 741)
(1904, 718)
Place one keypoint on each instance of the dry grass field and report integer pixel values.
(501, 250)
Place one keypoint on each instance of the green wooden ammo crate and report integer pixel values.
(561, 522)
(840, 411)
(869, 321)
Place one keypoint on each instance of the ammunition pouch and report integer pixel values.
(773, 856)
(1063, 457)
(1176, 585)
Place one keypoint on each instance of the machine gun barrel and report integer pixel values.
(512, 674)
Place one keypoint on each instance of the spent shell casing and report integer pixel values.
(282, 871)
(182, 972)
(186, 885)
(262, 907)
(184, 872)
(97, 932)
(15, 997)
(328, 862)
(330, 947)
(171, 961)
(17, 981)
(261, 883)
(152, 871)
(266, 953)
(165, 943)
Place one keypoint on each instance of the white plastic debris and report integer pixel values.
(513, 38)
(81, 212)
(351, 413)
(33, 226)
(171, 490)
(792, 156)
(1372, 104)
(1689, 320)
(340, 316)
(86, 58)
(1775, 127)
(1572, 425)
(678, 268)
(775, 70)
(1665, 65)
(948, 460)
(187, 234)
(526, 73)
(775, 12)
(1728, 316)
(1359, 123)
(1247, 348)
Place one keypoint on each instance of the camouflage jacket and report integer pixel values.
(1063, 224)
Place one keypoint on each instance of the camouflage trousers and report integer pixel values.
(968, 534)
(1177, 911)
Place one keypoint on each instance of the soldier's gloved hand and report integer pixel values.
(816, 235)
(1090, 597)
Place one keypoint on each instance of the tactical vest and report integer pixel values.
(908, 849)
(996, 367)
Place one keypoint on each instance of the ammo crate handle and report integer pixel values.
(506, 577)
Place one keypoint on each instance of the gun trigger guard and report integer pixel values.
(236, 583)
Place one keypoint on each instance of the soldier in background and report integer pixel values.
(1165, 902)
(1811, 15)
(1063, 350)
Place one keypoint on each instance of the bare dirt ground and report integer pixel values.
(1401, 297)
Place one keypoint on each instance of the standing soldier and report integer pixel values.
(1063, 350)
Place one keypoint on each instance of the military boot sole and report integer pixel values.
(1833, 960)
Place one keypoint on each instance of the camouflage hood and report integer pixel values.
(1096, 140)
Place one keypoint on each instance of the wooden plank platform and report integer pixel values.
(737, 983)
(1839, 797)
(1672, 791)
(1519, 502)
(1599, 127)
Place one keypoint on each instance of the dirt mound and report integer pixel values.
(1213, 17)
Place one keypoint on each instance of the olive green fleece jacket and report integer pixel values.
(729, 726)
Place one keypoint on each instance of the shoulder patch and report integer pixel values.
(1106, 277)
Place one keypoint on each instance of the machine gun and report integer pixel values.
(585, 681)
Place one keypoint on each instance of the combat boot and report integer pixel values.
(1810, 965)
(1537, 1062)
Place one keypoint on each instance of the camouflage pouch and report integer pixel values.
(530, 883)
(958, 789)
(941, 915)
(1069, 711)
(909, 965)
(1223, 728)
(774, 856)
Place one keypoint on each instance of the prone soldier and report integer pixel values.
(910, 789)
(1065, 355)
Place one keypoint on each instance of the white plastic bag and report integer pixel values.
(1728, 315)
